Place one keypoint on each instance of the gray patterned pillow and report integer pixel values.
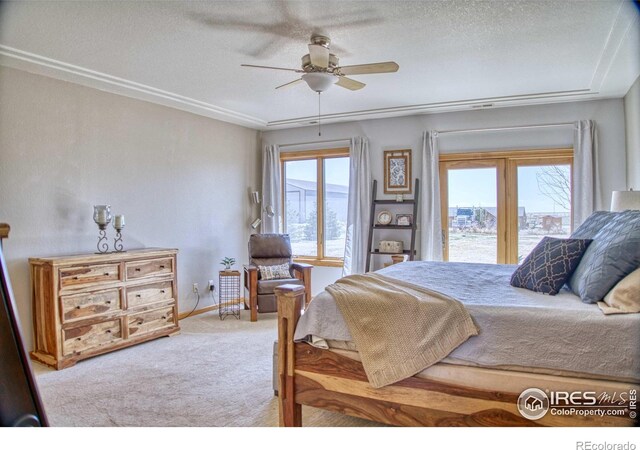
(594, 223)
(278, 272)
(589, 228)
(613, 254)
(549, 264)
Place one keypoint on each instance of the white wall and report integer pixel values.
(406, 132)
(181, 180)
(632, 118)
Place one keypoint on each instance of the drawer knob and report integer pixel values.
(162, 291)
(108, 302)
(106, 274)
(108, 331)
(162, 267)
(139, 322)
(75, 278)
(137, 269)
(164, 317)
(78, 307)
(78, 339)
(138, 295)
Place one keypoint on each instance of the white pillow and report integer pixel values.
(277, 272)
(624, 297)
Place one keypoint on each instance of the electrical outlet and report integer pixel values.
(195, 288)
(211, 286)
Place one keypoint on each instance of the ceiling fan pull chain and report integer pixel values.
(319, 128)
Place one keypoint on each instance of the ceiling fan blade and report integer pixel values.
(350, 84)
(364, 69)
(319, 55)
(274, 68)
(290, 83)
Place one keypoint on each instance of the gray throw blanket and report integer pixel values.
(399, 328)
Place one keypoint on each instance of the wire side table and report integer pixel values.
(229, 296)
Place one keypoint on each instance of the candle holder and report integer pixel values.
(102, 217)
(118, 225)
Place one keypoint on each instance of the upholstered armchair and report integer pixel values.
(270, 250)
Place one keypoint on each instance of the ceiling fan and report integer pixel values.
(320, 68)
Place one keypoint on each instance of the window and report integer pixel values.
(315, 198)
(497, 206)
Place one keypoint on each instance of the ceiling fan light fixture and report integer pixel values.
(319, 81)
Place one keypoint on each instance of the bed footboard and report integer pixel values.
(327, 380)
(290, 298)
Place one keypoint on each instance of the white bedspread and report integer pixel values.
(518, 328)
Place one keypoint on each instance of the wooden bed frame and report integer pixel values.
(324, 379)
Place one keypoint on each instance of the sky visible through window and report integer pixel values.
(306, 170)
(475, 187)
(476, 190)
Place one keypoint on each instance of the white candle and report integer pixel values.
(119, 222)
(102, 216)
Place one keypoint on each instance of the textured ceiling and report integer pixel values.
(450, 53)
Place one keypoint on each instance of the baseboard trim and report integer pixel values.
(206, 309)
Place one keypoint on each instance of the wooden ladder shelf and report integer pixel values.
(373, 226)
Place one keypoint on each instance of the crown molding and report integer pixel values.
(440, 107)
(41, 65)
(620, 31)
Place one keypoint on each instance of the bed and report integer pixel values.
(553, 343)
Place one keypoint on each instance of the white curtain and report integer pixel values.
(430, 223)
(355, 252)
(271, 190)
(586, 179)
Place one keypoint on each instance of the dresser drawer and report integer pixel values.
(149, 293)
(75, 276)
(82, 306)
(141, 269)
(89, 337)
(148, 321)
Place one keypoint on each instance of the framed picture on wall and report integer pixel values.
(397, 171)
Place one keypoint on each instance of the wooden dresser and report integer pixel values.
(86, 305)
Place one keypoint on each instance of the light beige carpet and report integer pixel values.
(214, 374)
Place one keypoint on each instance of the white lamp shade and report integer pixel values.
(319, 81)
(623, 200)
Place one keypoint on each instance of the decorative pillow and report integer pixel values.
(589, 228)
(277, 272)
(614, 254)
(549, 264)
(624, 297)
(594, 223)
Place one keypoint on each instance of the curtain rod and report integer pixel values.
(468, 130)
(314, 142)
(517, 127)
